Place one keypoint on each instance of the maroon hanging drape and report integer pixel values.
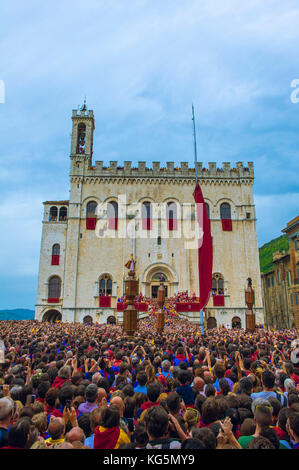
(55, 260)
(105, 301)
(218, 300)
(227, 225)
(205, 249)
(91, 223)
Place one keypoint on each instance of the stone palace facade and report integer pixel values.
(117, 210)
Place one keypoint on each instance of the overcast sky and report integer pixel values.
(141, 64)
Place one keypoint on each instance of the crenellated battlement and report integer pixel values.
(170, 170)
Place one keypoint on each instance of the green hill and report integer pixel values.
(17, 314)
(266, 251)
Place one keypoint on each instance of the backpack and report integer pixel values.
(282, 398)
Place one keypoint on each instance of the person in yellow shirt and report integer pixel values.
(56, 430)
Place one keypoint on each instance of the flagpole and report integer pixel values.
(195, 149)
(196, 179)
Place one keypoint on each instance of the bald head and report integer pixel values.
(75, 434)
(118, 401)
(96, 377)
(101, 397)
(56, 428)
(199, 383)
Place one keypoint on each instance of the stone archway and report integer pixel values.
(236, 322)
(52, 316)
(151, 276)
(87, 319)
(211, 323)
(111, 320)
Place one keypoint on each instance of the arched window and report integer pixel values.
(54, 289)
(112, 214)
(105, 285)
(91, 217)
(62, 214)
(81, 138)
(171, 214)
(91, 208)
(225, 215)
(146, 214)
(208, 209)
(53, 214)
(217, 284)
(225, 212)
(218, 290)
(55, 254)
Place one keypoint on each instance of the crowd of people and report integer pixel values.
(78, 386)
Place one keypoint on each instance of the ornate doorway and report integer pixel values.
(155, 283)
(52, 316)
(211, 323)
(236, 322)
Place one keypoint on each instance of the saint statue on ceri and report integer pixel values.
(131, 263)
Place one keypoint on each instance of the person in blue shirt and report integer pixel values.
(165, 369)
(141, 383)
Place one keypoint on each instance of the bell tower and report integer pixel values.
(82, 135)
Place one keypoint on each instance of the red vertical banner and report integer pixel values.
(146, 223)
(205, 248)
(55, 260)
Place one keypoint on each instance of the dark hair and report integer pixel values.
(42, 389)
(192, 443)
(206, 436)
(276, 405)
(294, 422)
(128, 445)
(244, 413)
(84, 424)
(110, 417)
(19, 432)
(210, 390)
(245, 386)
(219, 370)
(26, 411)
(260, 443)
(245, 401)
(51, 396)
(270, 433)
(184, 376)
(141, 378)
(103, 383)
(292, 398)
(128, 390)
(224, 386)
(199, 400)
(173, 402)
(139, 436)
(153, 390)
(210, 410)
(156, 419)
(268, 379)
(65, 393)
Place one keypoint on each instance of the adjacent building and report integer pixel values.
(281, 284)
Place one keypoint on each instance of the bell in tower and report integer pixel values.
(82, 132)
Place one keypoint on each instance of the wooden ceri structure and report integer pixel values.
(249, 300)
(161, 315)
(131, 291)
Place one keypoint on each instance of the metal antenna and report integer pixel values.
(195, 150)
